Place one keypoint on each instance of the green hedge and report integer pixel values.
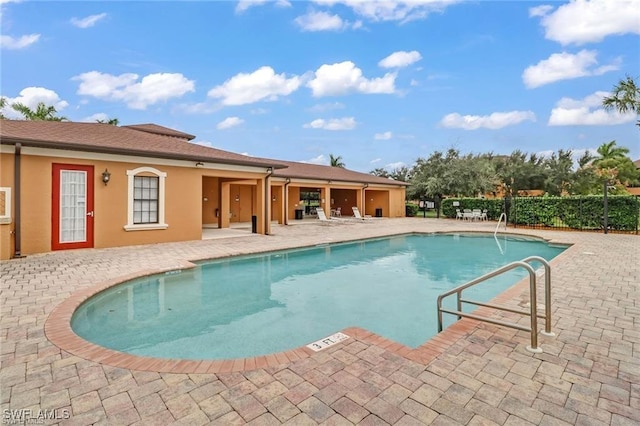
(583, 212)
(410, 210)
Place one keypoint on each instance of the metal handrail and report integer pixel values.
(533, 309)
(503, 214)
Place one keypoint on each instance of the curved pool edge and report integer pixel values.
(58, 331)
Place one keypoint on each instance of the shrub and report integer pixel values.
(410, 210)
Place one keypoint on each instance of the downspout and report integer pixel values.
(267, 201)
(364, 199)
(286, 200)
(16, 182)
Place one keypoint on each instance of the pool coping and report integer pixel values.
(58, 330)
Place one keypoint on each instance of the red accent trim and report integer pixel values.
(55, 207)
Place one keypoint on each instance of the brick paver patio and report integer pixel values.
(472, 373)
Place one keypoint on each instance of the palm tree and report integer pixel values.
(609, 151)
(41, 113)
(112, 121)
(625, 98)
(3, 103)
(336, 161)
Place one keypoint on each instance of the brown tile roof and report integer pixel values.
(151, 140)
(637, 163)
(315, 171)
(160, 130)
(126, 140)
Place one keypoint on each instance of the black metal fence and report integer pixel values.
(612, 214)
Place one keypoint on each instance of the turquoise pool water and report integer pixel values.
(256, 305)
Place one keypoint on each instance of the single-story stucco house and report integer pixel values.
(66, 185)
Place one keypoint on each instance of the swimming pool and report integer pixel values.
(255, 305)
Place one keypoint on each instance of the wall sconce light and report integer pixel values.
(237, 198)
(106, 177)
(274, 198)
(199, 164)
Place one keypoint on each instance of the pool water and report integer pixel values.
(257, 305)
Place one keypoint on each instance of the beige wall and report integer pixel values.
(344, 199)
(294, 200)
(185, 208)
(6, 229)
(210, 200)
(376, 199)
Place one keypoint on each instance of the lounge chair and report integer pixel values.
(324, 219)
(458, 214)
(357, 215)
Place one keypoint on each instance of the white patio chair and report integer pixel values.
(357, 215)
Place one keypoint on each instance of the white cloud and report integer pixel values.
(383, 136)
(346, 123)
(89, 21)
(243, 5)
(586, 112)
(565, 66)
(375, 160)
(396, 10)
(497, 120)
(100, 116)
(152, 89)
(31, 97)
(12, 43)
(320, 159)
(261, 85)
(583, 21)
(540, 10)
(229, 122)
(326, 107)
(394, 166)
(400, 59)
(343, 78)
(203, 143)
(320, 21)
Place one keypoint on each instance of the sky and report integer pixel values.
(379, 84)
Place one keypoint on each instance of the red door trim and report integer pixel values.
(55, 207)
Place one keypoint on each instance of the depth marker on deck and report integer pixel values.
(327, 341)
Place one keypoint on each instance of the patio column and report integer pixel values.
(225, 208)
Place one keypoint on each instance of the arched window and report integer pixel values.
(145, 199)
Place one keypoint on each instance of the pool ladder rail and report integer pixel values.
(533, 312)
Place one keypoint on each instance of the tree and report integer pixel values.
(625, 98)
(3, 103)
(112, 121)
(610, 150)
(520, 171)
(585, 179)
(559, 173)
(41, 113)
(380, 172)
(336, 161)
(403, 174)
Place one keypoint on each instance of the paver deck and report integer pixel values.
(472, 373)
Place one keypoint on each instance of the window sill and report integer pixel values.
(146, 227)
(4, 220)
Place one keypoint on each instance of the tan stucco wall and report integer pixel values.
(210, 200)
(182, 205)
(277, 203)
(185, 209)
(376, 199)
(344, 199)
(294, 201)
(6, 229)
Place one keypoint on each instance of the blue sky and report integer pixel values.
(377, 83)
